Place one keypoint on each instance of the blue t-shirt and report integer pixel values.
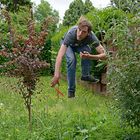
(70, 39)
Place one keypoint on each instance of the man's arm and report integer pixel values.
(101, 54)
(58, 62)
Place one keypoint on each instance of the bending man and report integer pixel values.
(78, 40)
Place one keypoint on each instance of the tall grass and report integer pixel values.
(88, 116)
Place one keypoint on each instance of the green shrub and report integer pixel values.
(124, 83)
(46, 56)
(103, 20)
(106, 18)
(124, 77)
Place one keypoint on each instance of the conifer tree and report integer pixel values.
(88, 6)
(76, 9)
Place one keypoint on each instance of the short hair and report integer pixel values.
(84, 22)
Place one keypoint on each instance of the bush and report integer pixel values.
(46, 56)
(124, 83)
(105, 19)
(124, 77)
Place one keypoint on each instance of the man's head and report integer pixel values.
(84, 27)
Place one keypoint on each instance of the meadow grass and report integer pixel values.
(87, 117)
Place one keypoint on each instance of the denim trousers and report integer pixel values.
(71, 66)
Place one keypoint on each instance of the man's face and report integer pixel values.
(82, 33)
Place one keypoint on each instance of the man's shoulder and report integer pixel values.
(71, 33)
(92, 34)
(70, 36)
(93, 39)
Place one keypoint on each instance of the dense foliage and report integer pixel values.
(42, 11)
(24, 58)
(76, 9)
(131, 6)
(122, 34)
(14, 5)
(103, 20)
(19, 21)
(124, 70)
(88, 6)
(120, 25)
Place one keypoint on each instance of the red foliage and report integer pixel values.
(24, 57)
(24, 54)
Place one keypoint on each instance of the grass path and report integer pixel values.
(88, 116)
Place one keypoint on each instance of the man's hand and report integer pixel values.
(55, 81)
(84, 55)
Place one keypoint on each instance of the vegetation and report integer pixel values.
(124, 69)
(87, 116)
(23, 58)
(131, 6)
(44, 10)
(121, 33)
(88, 6)
(76, 9)
(15, 5)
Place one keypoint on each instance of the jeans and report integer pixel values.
(71, 66)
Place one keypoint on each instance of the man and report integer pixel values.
(77, 40)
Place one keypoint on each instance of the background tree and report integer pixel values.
(13, 5)
(123, 71)
(42, 11)
(19, 21)
(76, 9)
(131, 6)
(24, 58)
(88, 6)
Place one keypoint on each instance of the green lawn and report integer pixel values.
(87, 117)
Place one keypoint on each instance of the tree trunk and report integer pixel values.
(30, 111)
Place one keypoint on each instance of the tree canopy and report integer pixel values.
(44, 10)
(88, 6)
(13, 5)
(76, 9)
(131, 6)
